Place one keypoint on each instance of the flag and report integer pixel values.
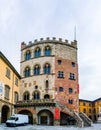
(57, 114)
(78, 88)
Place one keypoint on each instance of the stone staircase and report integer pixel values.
(65, 109)
(87, 121)
(79, 121)
(81, 118)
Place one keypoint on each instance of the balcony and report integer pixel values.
(36, 102)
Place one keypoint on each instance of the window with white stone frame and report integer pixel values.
(27, 55)
(36, 70)
(27, 72)
(47, 69)
(47, 51)
(37, 52)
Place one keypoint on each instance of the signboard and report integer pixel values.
(1, 89)
(57, 114)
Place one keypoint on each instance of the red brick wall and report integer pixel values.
(63, 97)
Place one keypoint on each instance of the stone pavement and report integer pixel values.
(33, 127)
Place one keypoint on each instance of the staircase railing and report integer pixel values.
(86, 119)
(80, 122)
(64, 108)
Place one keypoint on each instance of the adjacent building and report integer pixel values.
(9, 88)
(91, 108)
(85, 106)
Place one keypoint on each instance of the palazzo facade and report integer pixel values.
(49, 91)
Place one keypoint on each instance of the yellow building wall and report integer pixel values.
(10, 82)
(87, 106)
(7, 102)
(97, 108)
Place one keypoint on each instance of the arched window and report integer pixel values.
(36, 70)
(27, 72)
(46, 96)
(37, 52)
(26, 96)
(27, 55)
(36, 95)
(47, 69)
(47, 51)
(16, 97)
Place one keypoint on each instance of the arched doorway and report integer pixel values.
(30, 116)
(45, 117)
(66, 119)
(5, 113)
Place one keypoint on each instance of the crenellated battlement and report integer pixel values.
(48, 40)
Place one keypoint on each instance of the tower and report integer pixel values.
(49, 81)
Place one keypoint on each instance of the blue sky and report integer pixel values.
(27, 20)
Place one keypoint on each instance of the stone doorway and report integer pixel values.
(44, 120)
(45, 117)
(5, 113)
